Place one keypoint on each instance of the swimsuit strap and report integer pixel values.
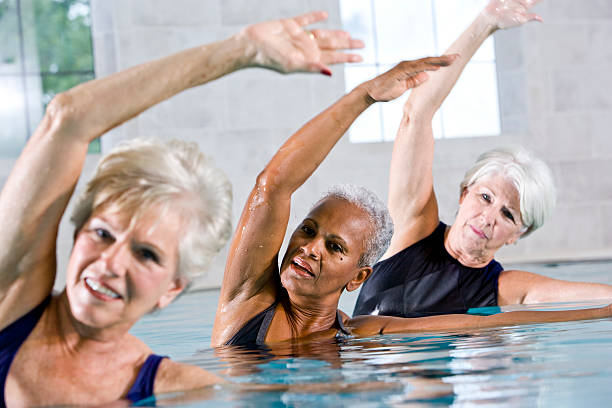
(265, 324)
(145, 381)
(343, 330)
(254, 331)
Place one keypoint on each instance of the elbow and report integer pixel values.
(61, 114)
(270, 182)
(61, 109)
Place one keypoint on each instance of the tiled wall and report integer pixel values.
(555, 98)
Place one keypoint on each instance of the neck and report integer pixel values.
(474, 258)
(310, 315)
(80, 337)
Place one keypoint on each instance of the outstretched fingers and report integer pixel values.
(415, 79)
(310, 18)
(534, 17)
(433, 63)
(335, 40)
(405, 75)
(336, 57)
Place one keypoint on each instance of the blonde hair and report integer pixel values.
(139, 174)
(531, 177)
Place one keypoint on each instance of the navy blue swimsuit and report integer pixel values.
(423, 279)
(253, 333)
(13, 336)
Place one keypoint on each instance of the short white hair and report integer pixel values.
(139, 174)
(381, 225)
(531, 177)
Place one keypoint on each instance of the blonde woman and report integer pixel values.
(150, 219)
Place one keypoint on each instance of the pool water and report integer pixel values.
(545, 365)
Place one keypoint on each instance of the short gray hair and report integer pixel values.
(530, 175)
(138, 174)
(381, 225)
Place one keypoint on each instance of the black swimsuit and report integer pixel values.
(254, 331)
(424, 279)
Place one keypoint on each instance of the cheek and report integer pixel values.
(151, 281)
(83, 253)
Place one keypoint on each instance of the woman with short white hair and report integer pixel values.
(432, 268)
(264, 301)
(149, 221)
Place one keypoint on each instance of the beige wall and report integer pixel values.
(555, 98)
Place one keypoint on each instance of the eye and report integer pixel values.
(335, 247)
(508, 214)
(147, 254)
(486, 197)
(308, 230)
(103, 234)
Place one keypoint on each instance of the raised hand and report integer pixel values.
(285, 46)
(405, 75)
(510, 13)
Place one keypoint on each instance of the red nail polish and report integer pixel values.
(326, 72)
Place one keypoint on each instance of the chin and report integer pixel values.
(87, 313)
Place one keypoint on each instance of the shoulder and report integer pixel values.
(174, 376)
(433, 237)
(513, 286)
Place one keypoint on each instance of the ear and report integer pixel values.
(361, 276)
(514, 238)
(174, 289)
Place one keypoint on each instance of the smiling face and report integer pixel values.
(323, 254)
(489, 217)
(118, 272)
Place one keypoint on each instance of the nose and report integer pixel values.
(490, 214)
(312, 249)
(116, 258)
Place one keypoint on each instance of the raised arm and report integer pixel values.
(248, 284)
(371, 325)
(412, 201)
(41, 182)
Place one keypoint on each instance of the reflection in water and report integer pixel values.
(568, 364)
(528, 365)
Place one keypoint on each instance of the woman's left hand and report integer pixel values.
(286, 46)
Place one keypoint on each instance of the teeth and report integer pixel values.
(101, 289)
(299, 265)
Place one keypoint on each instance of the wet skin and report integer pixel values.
(323, 253)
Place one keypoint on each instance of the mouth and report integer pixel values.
(479, 232)
(100, 291)
(301, 267)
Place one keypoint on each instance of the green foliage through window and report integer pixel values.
(48, 49)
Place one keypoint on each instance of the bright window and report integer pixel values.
(409, 29)
(46, 49)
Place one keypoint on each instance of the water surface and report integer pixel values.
(546, 365)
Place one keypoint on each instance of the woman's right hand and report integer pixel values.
(510, 13)
(287, 46)
(405, 75)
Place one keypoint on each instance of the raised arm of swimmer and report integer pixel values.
(506, 195)
(249, 282)
(37, 191)
(412, 201)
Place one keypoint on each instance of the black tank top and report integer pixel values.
(423, 279)
(253, 333)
